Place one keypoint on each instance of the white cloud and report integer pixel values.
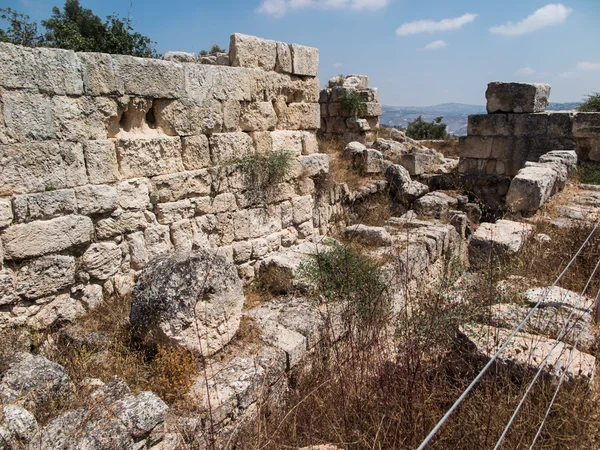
(430, 26)
(526, 71)
(587, 66)
(551, 14)
(435, 45)
(337, 65)
(568, 75)
(278, 8)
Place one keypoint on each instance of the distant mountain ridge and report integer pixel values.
(455, 114)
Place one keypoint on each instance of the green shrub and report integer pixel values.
(261, 171)
(352, 103)
(343, 273)
(589, 173)
(591, 103)
(419, 129)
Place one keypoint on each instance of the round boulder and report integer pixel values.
(192, 300)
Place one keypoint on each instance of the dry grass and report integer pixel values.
(340, 165)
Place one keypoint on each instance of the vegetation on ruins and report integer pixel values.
(420, 129)
(261, 171)
(353, 103)
(213, 51)
(79, 29)
(591, 103)
(589, 173)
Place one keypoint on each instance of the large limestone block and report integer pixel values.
(225, 147)
(497, 241)
(188, 116)
(8, 293)
(170, 188)
(82, 118)
(44, 205)
(101, 161)
(367, 235)
(531, 188)
(517, 97)
(17, 67)
(149, 157)
(284, 140)
(121, 222)
(102, 260)
(58, 72)
(134, 194)
(303, 116)
(96, 199)
(586, 125)
(45, 276)
(168, 213)
(258, 116)
(220, 83)
(190, 300)
(43, 237)
(137, 250)
(305, 60)
(28, 116)
(284, 58)
(251, 51)
(98, 74)
(256, 222)
(489, 125)
(195, 152)
(41, 166)
(314, 165)
(148, 77)
(6, 213)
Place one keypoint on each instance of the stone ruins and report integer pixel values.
(123, 176)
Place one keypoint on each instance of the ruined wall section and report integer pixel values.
(338, 121)
(108, 161)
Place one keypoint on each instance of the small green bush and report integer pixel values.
(343, 273)
(419, 129)
(352, 103)
(589, 173)
(591, 103)
(213, 51)
(261, 171)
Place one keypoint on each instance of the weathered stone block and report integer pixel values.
(17, 67)
(531, 188)
(254, 223)
(251, 51)
(305, 60)
(149, 157)
(258, 116)
(313, 165)
(98, 74)
(28, 116)
(101, 161)
(489, 125)
(291, 141)
(102, 260)
(588, 149)
(497, 240)
(134, 194)
(372, 109)
(263, 143)
(225, 147)
(189, 116)
(220, 83)
(530, 124)
(170, 188)
(158, 240)
(6, 213)
(232, 110)
(182, 235)
(41, 166)
(284, 58)
(137, 250)
(58, 71)
(44, 205)
(148, 77)
(586, 125)
(303, 116)
(96, 199)
(32, 239)
(45, 276)
(8, 294)
(310, 145)
(82, 118)
(121, 222)
(372, 160)
(302, 209)
(517, 97)
(168, 213)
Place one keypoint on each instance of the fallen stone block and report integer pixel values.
(372, 236)
(531, 188)
(498, 240)
(503, 97)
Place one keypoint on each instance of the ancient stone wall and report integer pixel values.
(517, 130)
(107, 161)
(339, 120)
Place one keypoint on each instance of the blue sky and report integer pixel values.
(416, 52)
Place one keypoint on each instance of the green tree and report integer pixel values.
(591, 103)
(21, 30)
(419, 129)
(77, 28)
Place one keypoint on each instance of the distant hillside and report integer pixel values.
(455, 114)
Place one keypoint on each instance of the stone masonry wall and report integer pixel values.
(340, 123)
(517, 130)
(107, 161)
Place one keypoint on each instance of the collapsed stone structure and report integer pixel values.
(515, 131)
(350, 109)
(109, 161)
